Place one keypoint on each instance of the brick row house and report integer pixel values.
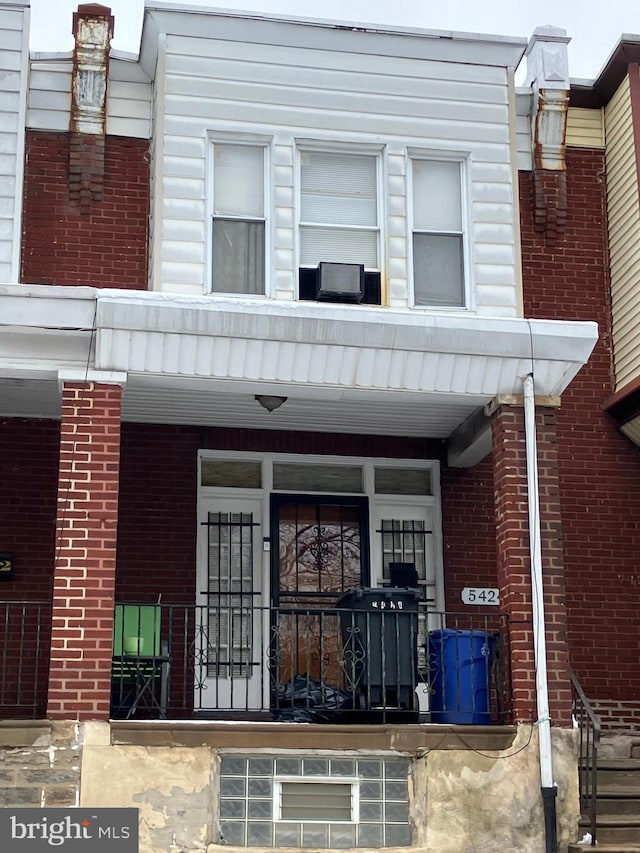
(319, 499)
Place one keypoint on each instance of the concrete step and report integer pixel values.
(615, 773)
(616, 829)
(603, 848)
(618, 801)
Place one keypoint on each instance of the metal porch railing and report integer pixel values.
(589, 727)
(25, 631)
(313, 663)
(323, 664)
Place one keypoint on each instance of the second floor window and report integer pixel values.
(238, 230)
(339, 218)
(338, 208)
(438, 238)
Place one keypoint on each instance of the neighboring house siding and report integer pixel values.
(128, 102)
(104, 246)
(585, 128)
(523, 130)
(287, 93)
(600, 488)
(13, 62)
(624, 234)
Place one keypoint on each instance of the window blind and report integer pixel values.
(238, 180)
(338, 208)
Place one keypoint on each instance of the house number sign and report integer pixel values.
(480, 595)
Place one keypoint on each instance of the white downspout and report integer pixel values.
(539, 637)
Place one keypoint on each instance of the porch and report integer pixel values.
(385, 659)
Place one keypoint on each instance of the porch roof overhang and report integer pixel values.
(343, 368)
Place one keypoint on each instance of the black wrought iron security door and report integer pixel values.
(320, 550)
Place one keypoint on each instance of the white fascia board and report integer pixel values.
(363, 38)
(47, 306)
(289, 344)
(159, 333)
(346, 325)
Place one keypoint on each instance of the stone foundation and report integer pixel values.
(461, 800)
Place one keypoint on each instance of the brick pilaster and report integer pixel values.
(514, 565)
(85, 559)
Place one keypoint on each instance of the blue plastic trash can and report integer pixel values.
(459, 668)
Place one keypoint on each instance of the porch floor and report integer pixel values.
(408, 738)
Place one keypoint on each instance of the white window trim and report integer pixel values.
(463, 158)
(254, 140)
(354, 781)
(376, 150)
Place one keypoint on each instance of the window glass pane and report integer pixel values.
(436, 196)
(238, 180)
(238, 256)
(338, 245)
(402, 481)
(438, 272)
(338, 188)
(230, 586)
(404, 542)
(310, 801)
(292, 476)
(236, 474)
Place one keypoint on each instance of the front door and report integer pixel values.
(229, 638)
(320, 549)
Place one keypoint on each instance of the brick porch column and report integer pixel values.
(85, 558)
(514, 565)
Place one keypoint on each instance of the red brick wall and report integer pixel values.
(85, 556)
(469, 533)
(29, 475)
(104, 245)
(566, 278)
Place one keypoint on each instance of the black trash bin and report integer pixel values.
(379, 634)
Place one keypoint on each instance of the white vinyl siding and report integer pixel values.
(13, 62)
(238, 226)
(338, 208)
(438, 237)
(128, 100)
(235, 80)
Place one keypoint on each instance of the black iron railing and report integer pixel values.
(589, 733)
(25, 631)
(384, 657)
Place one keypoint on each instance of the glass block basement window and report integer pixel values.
(314, 801)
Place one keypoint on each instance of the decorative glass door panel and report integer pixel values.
(230, 660)
(320, 551)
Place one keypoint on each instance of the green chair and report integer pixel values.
(140, 663)
(137, 630)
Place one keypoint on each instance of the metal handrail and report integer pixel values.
(589, 725)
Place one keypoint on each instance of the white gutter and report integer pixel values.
(539, 636)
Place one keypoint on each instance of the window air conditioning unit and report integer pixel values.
(340, 282)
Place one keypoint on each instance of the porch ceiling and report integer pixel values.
(198, 360)
(152, 400)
